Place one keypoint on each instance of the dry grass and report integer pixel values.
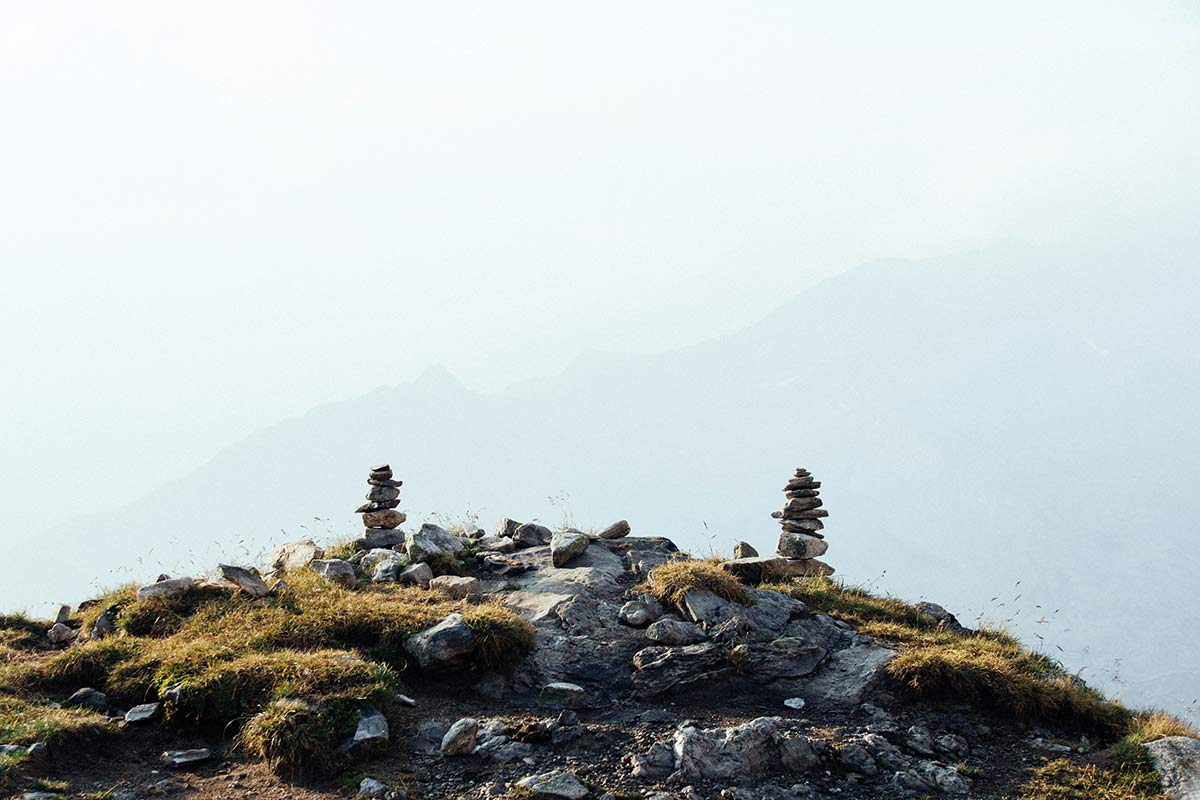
(987, 668)
(1151, 725)
(288, 670)
(1065, 780)
(671, 582)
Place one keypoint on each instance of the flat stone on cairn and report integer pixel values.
(379, 512)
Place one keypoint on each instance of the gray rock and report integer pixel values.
(380, 538)
(460, 739)
(615, 531)
(432, 542)
(944, 778)
(675, 632)
(565, 694)
(656, 763)
(417, 575)
(88, 698)
(63, 615)
(376, 556)
(247, 580)
(497, 544)
(171, 587)
(754, 570)
(636, 614)
(372, 732)
(386, 518)
(381, 494)
(742, 753)
(884, 752)
(952, 744)
(445, 644)
(797, 753)
(388, 571)
(846, 674)
(457, 587)
(146, 712)
(556, 785)
(854, 757)
(531, 535)
(566, 546)
(183, 758)
(662, 668)
(336, 571)
(294, 556)
(1177, 759)
(800, 545)
(785, 657)
(506, 528)
(60, 633)
(702, 605)
(369, 787)
(944, 618)
(744, 550)
(919, 740)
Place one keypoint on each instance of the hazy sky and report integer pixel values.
(219, 215)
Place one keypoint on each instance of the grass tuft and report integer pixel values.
(297, 737)
(25, 722)
(501, 637)
(670, 582)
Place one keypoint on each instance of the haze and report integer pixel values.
(217, 218)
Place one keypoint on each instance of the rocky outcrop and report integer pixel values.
(1177, 759)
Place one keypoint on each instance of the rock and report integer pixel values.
(433, 542)
(147, 712)
(753, 570)
(615, 531)
(388, 571)
(380, 539)
(941, 777)
(1177, 759)
(248, 580)
(531, 535)
(372, 732)
(796, 703)
(12, 750)
(104, 624)
(566, 546)
(952, 744)
(497, 544)
(847, 673)
(655, 764)
(460, 739)
(336, 571)
(744, 550)
(369, 787)
(785, 657)
(63, 615)
(171, 587)
(636, 614)
(387, 518)
(88, 698)
(456, 587)
(183, 758)
(380, 494)
(417, 575)
(294, 556)
(381, 471)
(672, 632)
(445, 644)
(556, 785)
(800, 545)
(567, 718)
(61, 633)
(661, 668)
(854, 757)
(743, 753)
(809, 526)
(565, 694)
(702, 605)
(506, 528)
(376, 556)
(945, 619)
(919, 740)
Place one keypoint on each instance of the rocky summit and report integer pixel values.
(537, 663)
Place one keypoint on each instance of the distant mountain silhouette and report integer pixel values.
(1014, 415)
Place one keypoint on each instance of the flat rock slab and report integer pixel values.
(847, 673)
(556, 785)
(1177, 759)
(183, 758)
(143, 713)
(171, 587)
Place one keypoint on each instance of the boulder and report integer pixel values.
(376, 556)
(171, 587)
(744, 550)
(556, 785)
(800, 545)
(445, 644)
(565, 694)
(294, 556)
(702, 605)
(497, 544)
(742, 753)
(637, 614)
(63, 614)
(61, 633)
(372, 732)
(369, 787)
(388, 571)
(531, 535)
(246, 579)
(675, 632)
(753, 570)
(455, 586)
(433, 542)
(854, 757)
(1177, 759)
(847, 673)
(417, 575)
(615, 531)
(88, 698)
(785, 657)
(662, 668)
(460, 739)
(655, 764)
(506, 528)
(336, 571)
(566, 546)
(945, 619)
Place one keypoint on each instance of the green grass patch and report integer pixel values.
(670, 582)
(299, 737)
(1119, 776)
(26, 721)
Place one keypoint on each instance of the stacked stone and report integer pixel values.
(379, 513)
(800, 519)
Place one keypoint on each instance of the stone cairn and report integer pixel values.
(801, 522)
(379, 512)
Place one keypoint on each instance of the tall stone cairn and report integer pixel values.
(800, 519)
(379, 513)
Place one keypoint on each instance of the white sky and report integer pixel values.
(216, 216)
